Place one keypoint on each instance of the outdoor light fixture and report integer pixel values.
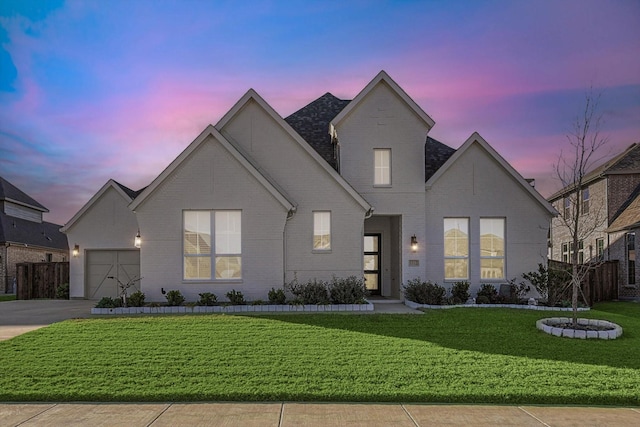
(137, 242)
(414, 243)
(76, 251)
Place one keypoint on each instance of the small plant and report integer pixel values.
(136, 299)
(277, 296)
(460, 292)
(108, 302)
(487, 294)
(236, 297)
(347, 291)
(62, 291)
(174, 298)
(207, 299)
(312, 292)
(424, 292)
(257, 302)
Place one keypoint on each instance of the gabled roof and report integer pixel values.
(629, 217)
(312, 124)
(382, 77)
(126, 193)
(627, 162)
(11, 193)
(212, 131)
(252, 95)
(22, 231)
(476, 139)
(435, 155)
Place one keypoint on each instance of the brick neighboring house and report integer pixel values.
(24, 236)
(611, 206)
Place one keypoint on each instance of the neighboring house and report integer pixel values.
(24, 236)
(609, 206)
(338, 188)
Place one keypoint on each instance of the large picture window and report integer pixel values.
(225, 253)
(456, 248)
(382, 166)
(492, 244)
(322, 231)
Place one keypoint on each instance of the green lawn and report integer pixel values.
(7, 298)
(456, 355)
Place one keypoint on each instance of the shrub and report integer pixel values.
(277, 296)
(62, 291)
(548, 282)
(107, 302)
(257, 302)
(207, 298)
(460, 292)
(136, 299)
(424, 292)
(347, 291)
(312, 292)
(174, 298)
(487, 293)
(236, 297)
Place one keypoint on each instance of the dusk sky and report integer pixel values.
(92, 90)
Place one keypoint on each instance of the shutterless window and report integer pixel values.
(456, 248)
(322, 231)
(567, 206)
(225, 253)
(585, 201)
(600, 248)
(492, 248)
(382, 166)
(565, 252)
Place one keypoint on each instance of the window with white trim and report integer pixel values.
(456, 248)
(221, 260)
(585, 201)
(492, 248)
(322, 231)
(382, 166)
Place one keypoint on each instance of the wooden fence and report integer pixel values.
(40, 279)
(599, 284)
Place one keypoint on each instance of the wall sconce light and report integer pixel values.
(76, 251)
(414, 243)
(137, 242)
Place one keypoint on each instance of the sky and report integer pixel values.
(92, 90)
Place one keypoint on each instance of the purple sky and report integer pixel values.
(92, 90)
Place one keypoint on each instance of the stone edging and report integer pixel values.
(263, 308)
(415, 305)
(546, 325)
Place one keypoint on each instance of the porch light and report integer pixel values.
(137, 242)
(76, 251)
(414, 243)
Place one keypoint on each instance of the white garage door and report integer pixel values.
(104, 269)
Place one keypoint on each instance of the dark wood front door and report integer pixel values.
(372, 260)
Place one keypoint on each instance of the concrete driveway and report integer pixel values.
(18, 317)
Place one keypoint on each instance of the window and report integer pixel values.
(492, 246)
(600, 249)
(382, 166)
(631, 258)
(321, 231)
(580, 252)
(456, 248)
(565, 252)
(225, 253)
(585, 201)
(567, 205)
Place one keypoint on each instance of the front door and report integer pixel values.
(372, 258)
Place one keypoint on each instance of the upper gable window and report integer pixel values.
(322, 231)
(382, 166)
(585, 201)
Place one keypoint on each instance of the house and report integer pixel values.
(24, 236)
(338, 188)
(609, 206)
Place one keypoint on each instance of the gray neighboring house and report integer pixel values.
(611, 206)
(24, 236)
(338, 188)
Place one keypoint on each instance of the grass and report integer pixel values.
(7, 298)
(457, 356)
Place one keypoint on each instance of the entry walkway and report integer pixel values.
(308, 414)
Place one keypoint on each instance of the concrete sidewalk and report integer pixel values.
(307, 414)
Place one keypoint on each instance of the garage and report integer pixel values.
(106, 267)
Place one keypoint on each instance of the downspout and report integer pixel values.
(369, 213)
(290, 215)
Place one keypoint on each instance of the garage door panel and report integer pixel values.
(123, 265)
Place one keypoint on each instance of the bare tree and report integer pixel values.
(586, 143)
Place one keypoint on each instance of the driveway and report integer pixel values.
(18, 317)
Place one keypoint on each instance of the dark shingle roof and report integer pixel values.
(312, 124)
(435, 155)
(44, 234)
(12, 193)
(129, 192)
